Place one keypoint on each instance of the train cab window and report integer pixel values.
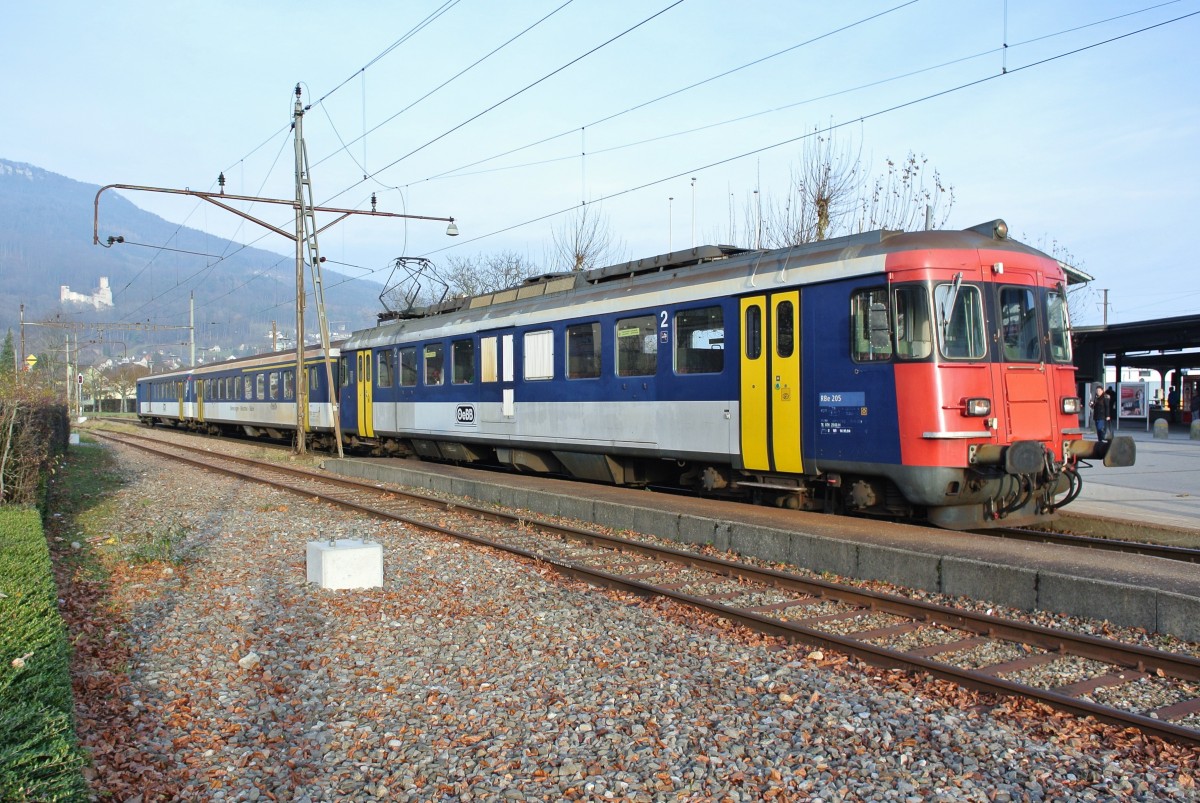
(260, 386)
(1019, 325)
(870, 317)
(637, 346)
(384, 368)
(1059, 325)
(785, 329)
(958, 314)
(700, 341)
(408, 367)
(539, 355)
(914, 329)
(435, 358)
(754, 338)
(273, 385)
(583, 351)
(289, 385)
(462, 357)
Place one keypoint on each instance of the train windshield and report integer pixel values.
(961, 334)
(1019, 325)
(1060, 326)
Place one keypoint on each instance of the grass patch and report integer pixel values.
(39, 755)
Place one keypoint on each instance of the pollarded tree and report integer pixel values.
(828, 196)
(584, 241)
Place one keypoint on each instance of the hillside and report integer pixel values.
(46, 225)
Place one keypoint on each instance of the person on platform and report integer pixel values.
(1101, 413)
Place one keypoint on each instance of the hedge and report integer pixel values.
(39, 755)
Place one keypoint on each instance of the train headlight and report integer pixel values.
(978, 407)
(1071, 405)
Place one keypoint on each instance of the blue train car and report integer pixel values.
(916, 374)
(255, 396)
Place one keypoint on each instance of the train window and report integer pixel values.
(345, 370)
(289, 384)
(914, 330)
(260, 386)
(959, 313)
(273, 384)
(539, 355)
(313, 375)
(754, 338)
(871, 318)
(583, 351)
(434, 363)
(1019, 325)
(1059, 325)
(489, 359)
(700, 341)
(384, 368)
(785, 329)
(408, 367)
(637, 346)
(462, 355)
(248, 385)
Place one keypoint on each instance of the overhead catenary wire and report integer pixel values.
(856, 119)
(516, 94)
(818, 132)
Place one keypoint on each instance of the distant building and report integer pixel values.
(101, 297)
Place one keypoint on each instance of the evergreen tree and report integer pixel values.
(8, 356)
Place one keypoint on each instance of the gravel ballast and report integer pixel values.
(474, 676)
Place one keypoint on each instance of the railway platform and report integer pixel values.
(1132, 590)
(1160, 491)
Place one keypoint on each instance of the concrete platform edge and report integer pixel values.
(1025, 589)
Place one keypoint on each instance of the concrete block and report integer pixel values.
(345, 563)
(1098, 599)
(1179, 615)
(900, 566)
(576, 507)
(1011, 586)
(702, 531)
(819, 554)
(764, 543)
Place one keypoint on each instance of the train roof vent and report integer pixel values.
(675, 259)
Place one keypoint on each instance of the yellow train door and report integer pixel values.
(366, 427)
(200, 400)
(770, 383)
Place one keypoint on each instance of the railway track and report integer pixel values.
(1164, 551)
(1153, 691)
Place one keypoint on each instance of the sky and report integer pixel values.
(1076, 122)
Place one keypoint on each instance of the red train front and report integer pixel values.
(972, 327)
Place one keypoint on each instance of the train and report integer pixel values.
(925, 376)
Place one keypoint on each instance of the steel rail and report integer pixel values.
(1139, 659)
(1167, 552)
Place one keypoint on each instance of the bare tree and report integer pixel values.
(584, 241)
(906, 197)
(123, 379)
(828, 195)
(486, 273)
(823, 192)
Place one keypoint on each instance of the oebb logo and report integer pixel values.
(465, 414)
